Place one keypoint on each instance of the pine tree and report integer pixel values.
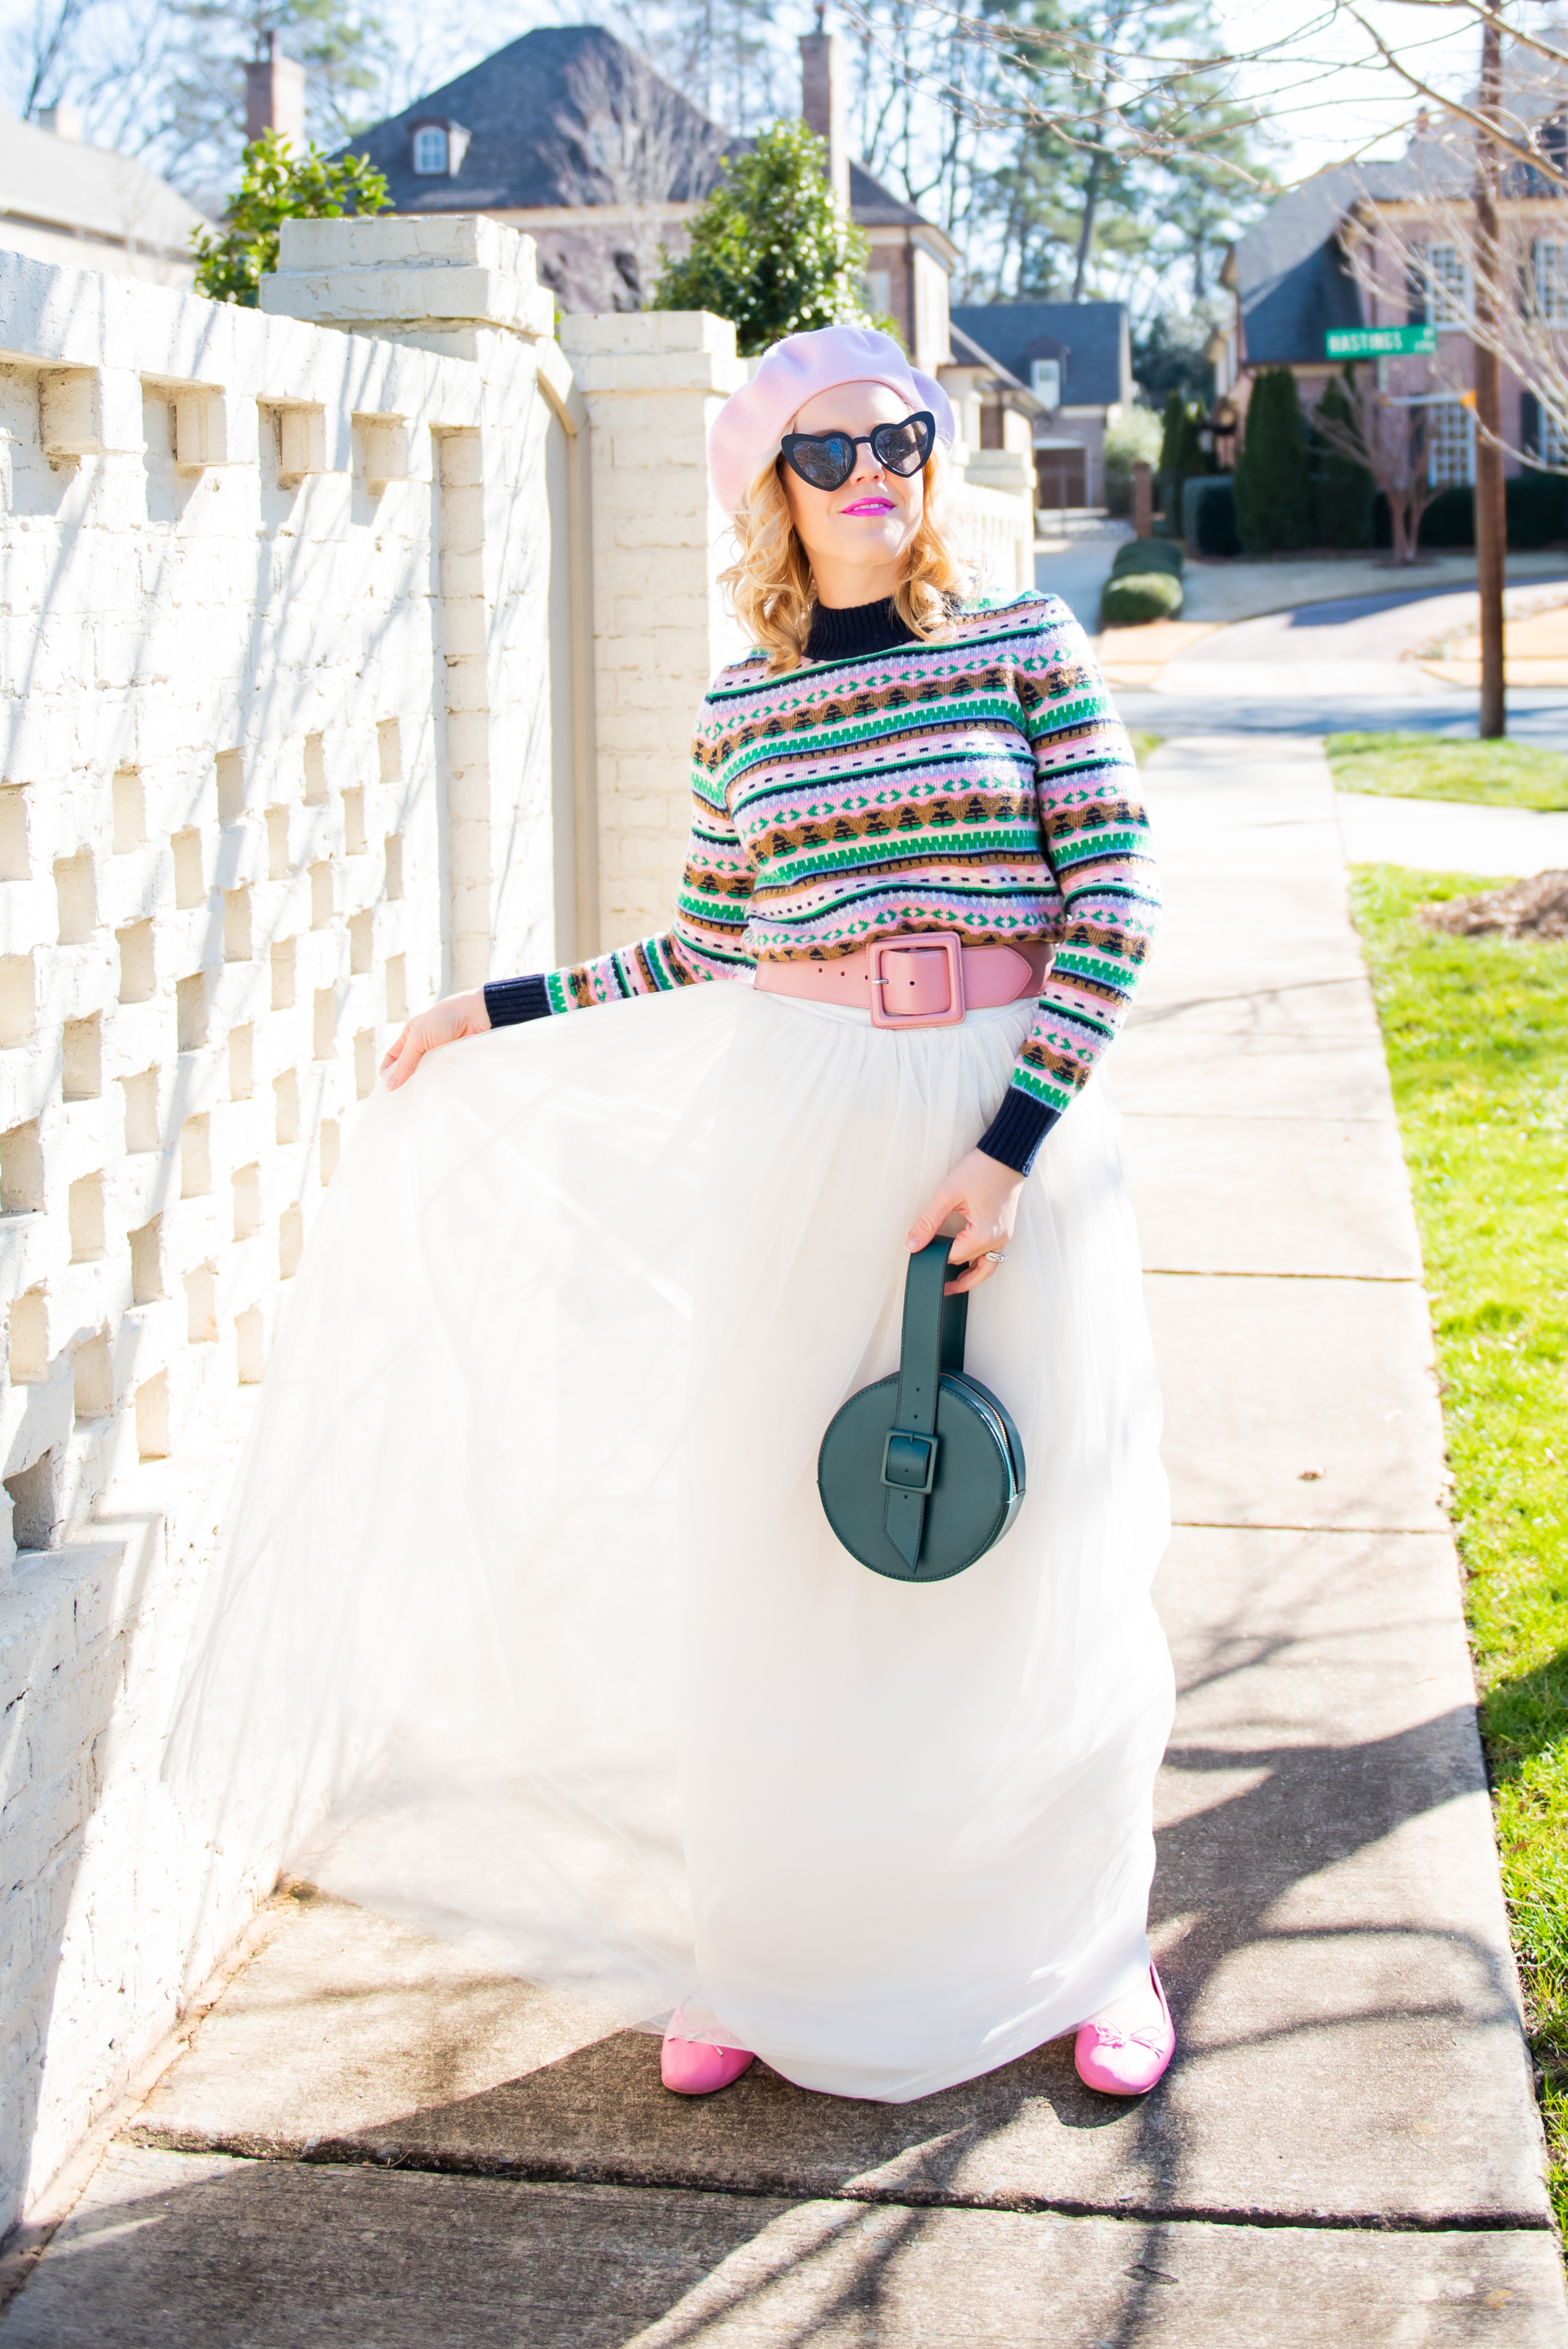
(1273, 483)
(1173, 433)
(769, 249)
(1343, 491)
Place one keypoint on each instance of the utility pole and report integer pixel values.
(1490, 503)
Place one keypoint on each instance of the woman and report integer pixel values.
(532, 1625)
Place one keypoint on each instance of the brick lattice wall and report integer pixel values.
(277, 763)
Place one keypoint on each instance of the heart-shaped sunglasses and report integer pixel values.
(826, 460)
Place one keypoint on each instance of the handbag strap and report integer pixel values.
(935, 1328)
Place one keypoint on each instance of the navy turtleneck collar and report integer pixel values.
(856, 628)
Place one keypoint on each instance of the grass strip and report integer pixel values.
(1143, 744)
(1427, 767)
(1476, 1031)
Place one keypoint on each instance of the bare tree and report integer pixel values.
(46, 44)
(632, 149)
(1391, 440)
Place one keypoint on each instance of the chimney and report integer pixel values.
(822, 102)
(274, 96)
(65, 121)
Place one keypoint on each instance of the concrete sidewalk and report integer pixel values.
(1451, 835)
(364, 2146)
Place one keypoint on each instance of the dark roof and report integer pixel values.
(1094, 335)
(875, 206)
(968, 353)
(519, 106)
(1290, 278)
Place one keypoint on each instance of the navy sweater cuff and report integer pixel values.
(1018, 1130)
(507, 1000)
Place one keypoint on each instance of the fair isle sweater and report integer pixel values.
(981, 785)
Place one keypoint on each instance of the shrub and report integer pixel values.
(1343, 491)
(1138, 595)
(1209, 515)
(1273, 485)
(1178, 449)
(770, 250)
(277, 186)
(1133, 441)
(1537, 508)
(1141, 554)
(1537, 514)
(1181, 456)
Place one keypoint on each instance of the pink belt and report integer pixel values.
(927, 981)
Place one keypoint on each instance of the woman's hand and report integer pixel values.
(985, 1193)
(453, 1016)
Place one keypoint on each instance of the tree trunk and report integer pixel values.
(1398, 525)
(1491, 499)
(1086, 234)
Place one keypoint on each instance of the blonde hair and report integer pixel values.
(774, 593)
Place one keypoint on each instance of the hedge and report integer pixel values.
(1139, 554)
(1537, 514)
(1136, 597)
(1209, 515)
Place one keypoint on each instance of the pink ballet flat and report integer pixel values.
(1126, 2063)
(691, 2069)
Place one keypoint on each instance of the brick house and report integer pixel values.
(1293, 282)
(534, 135)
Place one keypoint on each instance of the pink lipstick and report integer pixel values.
(869, 506)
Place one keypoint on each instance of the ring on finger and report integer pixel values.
(995, 1256)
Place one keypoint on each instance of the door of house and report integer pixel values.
(1060, 478)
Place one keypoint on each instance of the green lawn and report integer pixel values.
(1477, 1038)
(1421, 767)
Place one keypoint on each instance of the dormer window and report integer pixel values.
(438, 150)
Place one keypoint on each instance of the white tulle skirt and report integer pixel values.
(530, 1631)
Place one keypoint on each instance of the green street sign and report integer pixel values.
(1378, 342)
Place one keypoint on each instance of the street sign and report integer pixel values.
(1378, 342)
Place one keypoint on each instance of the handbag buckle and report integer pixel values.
(913, 1468)
(888, 988)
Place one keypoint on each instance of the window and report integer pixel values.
(430, 151)
(1553, 439)
(1548, 269)
(1452, 442)
(1045, 381)
(1449, 292)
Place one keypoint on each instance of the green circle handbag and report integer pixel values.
(923, 1473)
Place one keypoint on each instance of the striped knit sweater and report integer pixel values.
(982, 785)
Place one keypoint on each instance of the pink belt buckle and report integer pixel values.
(934, 966)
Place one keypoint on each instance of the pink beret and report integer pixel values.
(753, 420)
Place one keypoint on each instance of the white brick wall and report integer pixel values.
(276, 761)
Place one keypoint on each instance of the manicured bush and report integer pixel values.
(1342, 490)
(1537, 514)
(1273, 483)
(1537, 508)
(1209, 515)
(1147, 554)
(1139, 596)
